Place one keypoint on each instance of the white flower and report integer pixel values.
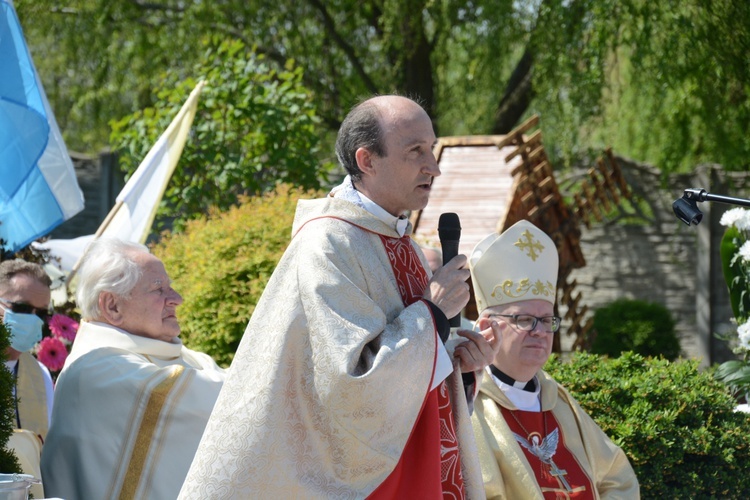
(743, 223)
(744, 334)
(731, 216)
(744, 251)
(737, 217)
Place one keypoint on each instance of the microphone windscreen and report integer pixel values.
(449, 227)
(449, 231)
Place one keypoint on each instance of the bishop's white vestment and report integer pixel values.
(333, 372)
(128, 415)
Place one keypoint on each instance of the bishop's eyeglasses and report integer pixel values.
(527, 322)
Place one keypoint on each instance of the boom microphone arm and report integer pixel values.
(686, 208)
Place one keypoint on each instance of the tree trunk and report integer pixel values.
(518, 95)
(418, 76)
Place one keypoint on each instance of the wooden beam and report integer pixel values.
(518, 131)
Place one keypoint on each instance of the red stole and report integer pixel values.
(430, 466)
(558, 473)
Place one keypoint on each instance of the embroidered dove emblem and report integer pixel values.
(545, 450)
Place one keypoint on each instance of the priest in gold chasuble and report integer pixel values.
(131, 401)
(534, 439)
(341, 386)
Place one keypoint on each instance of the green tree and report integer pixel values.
(255, 126)
(679, 88)
(665, 82)
(8, 460)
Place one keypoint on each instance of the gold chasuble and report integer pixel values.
(329, 387)
(31, 396)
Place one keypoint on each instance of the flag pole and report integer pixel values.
(187, 107)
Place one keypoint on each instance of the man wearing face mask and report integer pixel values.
(24, 307)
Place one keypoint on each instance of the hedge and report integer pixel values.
(676, 424)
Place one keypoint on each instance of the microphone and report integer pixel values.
(449, 231)
(686, 208)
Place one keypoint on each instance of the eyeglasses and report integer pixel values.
(527, 322)
(21, 308)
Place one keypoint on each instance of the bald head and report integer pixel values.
(366, 126)
(391, 105)
(386, 144)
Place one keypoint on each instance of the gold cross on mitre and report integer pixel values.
(526, 242)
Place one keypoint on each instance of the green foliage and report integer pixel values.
(735, 273)
(255, 126)
(8, 460)
(646, 328)
(663, 82)
(221, 263)
(677, 425)
(736, 373)
(92, 56)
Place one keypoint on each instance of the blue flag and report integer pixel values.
(38, 186)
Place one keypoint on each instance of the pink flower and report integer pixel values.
(63, 326)
(52, 353)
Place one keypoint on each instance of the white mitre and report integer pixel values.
(520, 264)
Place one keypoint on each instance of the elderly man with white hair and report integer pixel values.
(131, 402)
(534, 439)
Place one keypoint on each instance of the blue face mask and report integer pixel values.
(25, 330)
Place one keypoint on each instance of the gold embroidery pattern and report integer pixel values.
(528, 244)
(517, 290)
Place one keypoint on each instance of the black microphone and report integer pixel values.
(449, 231)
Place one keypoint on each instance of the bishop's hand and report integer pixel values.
(479, 349)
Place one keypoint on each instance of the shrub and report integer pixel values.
(646, 328)
(677, 425)
(8, 461)
(254, 126)
(221, 263)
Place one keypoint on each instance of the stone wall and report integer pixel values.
(646, 253)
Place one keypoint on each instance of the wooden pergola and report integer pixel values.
(492, 182)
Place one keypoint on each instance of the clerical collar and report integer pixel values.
(529, 386)
(348, 192)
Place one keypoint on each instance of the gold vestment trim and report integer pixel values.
(146, 431)
(31, 396)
